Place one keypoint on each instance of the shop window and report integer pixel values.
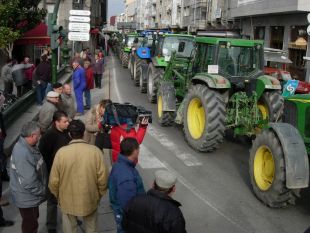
(259, 33)
(297, 50)
(276, 37)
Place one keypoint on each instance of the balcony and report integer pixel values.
(154, 2)
(243, 8)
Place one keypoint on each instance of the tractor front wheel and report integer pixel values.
(267, 171)
(204, 118)
(271, 105)
(125, 59)
(165, 118)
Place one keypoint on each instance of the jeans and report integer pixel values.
(49, 87)
(118, 220)
(40, 91)
(98, 78)
(87, 98)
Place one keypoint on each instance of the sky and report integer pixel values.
(115, 7)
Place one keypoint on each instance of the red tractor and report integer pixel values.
(277, 62)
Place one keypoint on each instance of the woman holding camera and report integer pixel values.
(118, 133)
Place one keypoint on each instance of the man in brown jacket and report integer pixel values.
(78, 180)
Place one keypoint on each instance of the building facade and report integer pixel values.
(281, 26)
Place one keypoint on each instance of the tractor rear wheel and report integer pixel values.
(267, 171)
(165, 118)
(153, 77)
(140, 75)
(130, 65)
(137, 72)
(271, 105)
(125, 59)
(204, 118)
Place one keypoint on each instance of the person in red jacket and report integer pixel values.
(118, 133)
(89, 83)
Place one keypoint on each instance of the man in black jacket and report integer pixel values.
(54, 138)
(156, 211)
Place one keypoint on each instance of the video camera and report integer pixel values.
(119, 114)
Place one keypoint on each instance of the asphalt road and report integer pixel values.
(214, 188)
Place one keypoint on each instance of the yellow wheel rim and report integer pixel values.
(196, 118)
(160, 106)
(264, 168)
(263, 109)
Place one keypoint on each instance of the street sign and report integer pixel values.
(308, 18)
(80, 12)
(308, 30)
(79, 27)
(82, 19)
(78, 36)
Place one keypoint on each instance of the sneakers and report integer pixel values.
(4, 202)
(6, 223)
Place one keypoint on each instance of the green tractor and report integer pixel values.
(221, 86)
(166, 44)
(128, 43)
(279, 162)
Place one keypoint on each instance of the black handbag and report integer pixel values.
(103, 140)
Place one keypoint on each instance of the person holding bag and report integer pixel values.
(93, 125)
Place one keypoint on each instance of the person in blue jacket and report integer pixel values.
(125, 181)
(79, 85)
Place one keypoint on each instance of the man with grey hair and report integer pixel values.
(28, 177)
(155, 211)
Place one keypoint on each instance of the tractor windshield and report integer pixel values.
(129, 41)
(239, 61)
(173, 44)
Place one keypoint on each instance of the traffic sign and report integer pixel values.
(80, 12)
(78, 36)
(79, 27)
(308, 30)
(82, 19)
(308, 18)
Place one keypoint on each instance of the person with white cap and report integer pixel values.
(155, 211)
(47, 111)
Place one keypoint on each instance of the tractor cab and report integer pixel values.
(172, 42)
(238, 60)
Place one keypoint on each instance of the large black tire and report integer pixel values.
(269, 184)
(165, 118)
(137, 71)
(130, 65)
(273, 102)
(125, 59)
(153, 77)
(140, 75)
(209, 117)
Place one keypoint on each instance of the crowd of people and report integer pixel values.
(58, 160)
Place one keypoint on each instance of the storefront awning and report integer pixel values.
(36, 36)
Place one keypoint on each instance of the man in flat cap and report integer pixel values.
(155, 211)
(47, 111)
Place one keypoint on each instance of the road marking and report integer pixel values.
(187, 158)
(118, 96)
(202, 197)
(147, 160)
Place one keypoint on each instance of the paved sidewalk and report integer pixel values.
(105, 216)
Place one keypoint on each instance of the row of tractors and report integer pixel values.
(211, 85)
